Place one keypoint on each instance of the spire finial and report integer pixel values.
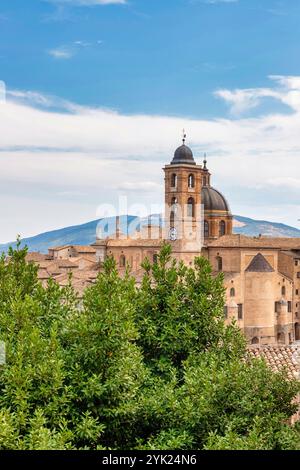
(204, 162)
(183, 136)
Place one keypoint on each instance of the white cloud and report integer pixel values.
(287, 90)
(49, 146)
(82, 43)
(66, 52)
(89, 2)
(62, 53)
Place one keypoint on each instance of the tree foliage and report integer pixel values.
(127, 367)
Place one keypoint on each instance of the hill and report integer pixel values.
(85, 234)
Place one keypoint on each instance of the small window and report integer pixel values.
(297, 291)
(240, 311)
(280, 338)
(191, 207)
(225, 312)
(206, 229)
(122, 261)
(204, 181)
(283, 290)
(277, 307)
(219, 263)
(232, 292)
(298, 275)
(296, 262)
(222, 228)
(255, 340)
(191, 181)
(289, 306)
(174, 180)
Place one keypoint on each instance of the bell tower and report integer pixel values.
(183, 209)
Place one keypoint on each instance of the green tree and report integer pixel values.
(149, 367)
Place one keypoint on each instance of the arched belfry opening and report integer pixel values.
(174, 180)
(222, 228)
(191, 207)
(191, 181)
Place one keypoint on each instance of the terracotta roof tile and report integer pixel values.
(279, 357)
(242, 241)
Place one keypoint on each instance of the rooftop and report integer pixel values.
(242, 241)
(279, 358)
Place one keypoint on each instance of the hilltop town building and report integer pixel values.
(261, 274)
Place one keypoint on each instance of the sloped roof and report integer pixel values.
(259, 264)
(279, 357)
(84, 248)
(242, 241)
(35, 256)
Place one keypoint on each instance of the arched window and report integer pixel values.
(219, 263)
(174, 204)
(222, 228)
(206, 229)
(232, 292)
(173, 210)
(255, 340)
(191, 181)
(174, 180)
(191, 207)
(283, 290)
(122, 261)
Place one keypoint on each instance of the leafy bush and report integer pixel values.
(152, 367)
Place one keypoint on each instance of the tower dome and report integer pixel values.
(183, 155)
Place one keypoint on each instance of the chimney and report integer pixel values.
(160, 228)
(149, 228)
(117, 227)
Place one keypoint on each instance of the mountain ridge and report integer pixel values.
(85, 234)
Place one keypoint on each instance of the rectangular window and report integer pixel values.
(296, 262)
(297, 291)
(240, 311)
(277, 307)
(298, 275)
(289, 306)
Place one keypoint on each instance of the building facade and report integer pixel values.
(261, 274)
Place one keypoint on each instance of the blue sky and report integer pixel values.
(227, 71)
(148, 56)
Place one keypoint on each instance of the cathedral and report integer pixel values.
(261, 274)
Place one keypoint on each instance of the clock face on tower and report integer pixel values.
(173, 234)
